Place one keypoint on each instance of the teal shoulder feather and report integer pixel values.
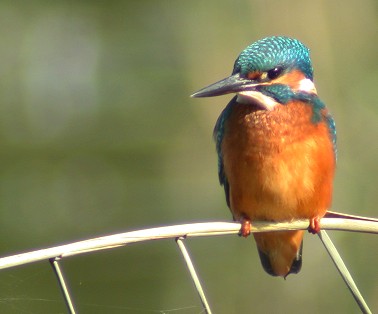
(218, 137)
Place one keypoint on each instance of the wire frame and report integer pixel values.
(179, 233)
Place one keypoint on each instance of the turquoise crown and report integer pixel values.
(274, 51)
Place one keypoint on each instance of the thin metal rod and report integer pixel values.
(62, 284)
(343, 270)
(186, 230)
(193, 273)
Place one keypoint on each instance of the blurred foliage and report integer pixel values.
(98, 135)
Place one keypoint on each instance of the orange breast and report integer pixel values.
(278, 163)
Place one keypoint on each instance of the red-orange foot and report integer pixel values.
(314, 226)
(245, 229)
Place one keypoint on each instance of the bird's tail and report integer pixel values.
(280, 252)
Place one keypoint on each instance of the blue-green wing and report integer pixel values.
(218, 137)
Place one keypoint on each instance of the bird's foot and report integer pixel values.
(314, 226)
(245, 229)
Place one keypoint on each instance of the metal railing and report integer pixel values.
(333, 221)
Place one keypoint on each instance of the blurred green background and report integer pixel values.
(98, 135)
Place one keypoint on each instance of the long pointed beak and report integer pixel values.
(231, 84)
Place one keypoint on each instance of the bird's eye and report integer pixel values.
(274, 73)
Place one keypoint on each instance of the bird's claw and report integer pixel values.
(245, 229)
(314, 226)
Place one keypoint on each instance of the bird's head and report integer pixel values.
(269, 72)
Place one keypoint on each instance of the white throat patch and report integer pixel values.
(254, 97)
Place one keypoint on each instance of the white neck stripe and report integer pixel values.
(306, 85)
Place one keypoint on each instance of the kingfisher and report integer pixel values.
(276, 145)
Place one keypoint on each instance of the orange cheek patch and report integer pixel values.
(254, 75)
(291, 79)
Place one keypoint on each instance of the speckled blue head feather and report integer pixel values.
(274, 51)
